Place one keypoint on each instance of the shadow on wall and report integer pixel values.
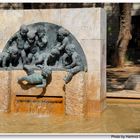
(44, 5)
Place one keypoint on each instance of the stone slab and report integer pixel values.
(124, 94)
(76, 95)
(85, 23)
(92, 49)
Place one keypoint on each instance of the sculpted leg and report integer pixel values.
(4, 61)
(44, 83)
(39, 60)
(24, 78)
(72, 71)
(29, 59)
(23, 57)
(68, 78)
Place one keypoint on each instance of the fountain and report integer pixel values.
(53, 65)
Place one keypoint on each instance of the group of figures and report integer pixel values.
(27, 48)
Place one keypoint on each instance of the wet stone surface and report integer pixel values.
(115, 119)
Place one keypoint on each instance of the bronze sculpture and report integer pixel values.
(75, 66)
(45, 47)
(19, 38)
(40, 80)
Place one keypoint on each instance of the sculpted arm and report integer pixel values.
(64, 43)
(73, 61)
(46, 60)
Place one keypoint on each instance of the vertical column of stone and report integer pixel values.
(75, 95)
(96, 76)
(5, 91)
(88, 25)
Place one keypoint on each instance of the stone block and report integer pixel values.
(92, 50)
(95, 93)
(93, 86)
(95, 51)
(33, 16)
(84, 23)
(5, 91)
(76, 95)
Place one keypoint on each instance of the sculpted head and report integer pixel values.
(40, 32)
(31, 36)
(70, 49)
(61, 34)
(13, 50)
(54, 52)
(23, 30)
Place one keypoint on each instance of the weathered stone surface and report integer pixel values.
(92, 50)
(33, 16)
(96, 76)
(4, 91)
(55, 88)
(76, 95)
(93, 86)
(84, 23)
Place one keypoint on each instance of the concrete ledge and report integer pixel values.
(124, 94)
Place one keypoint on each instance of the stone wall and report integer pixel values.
(88, 25)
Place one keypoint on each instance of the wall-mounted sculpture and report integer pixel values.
(46, 47)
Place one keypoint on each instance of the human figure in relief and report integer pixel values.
(40, 80)
(76, 64)
(19, 38)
